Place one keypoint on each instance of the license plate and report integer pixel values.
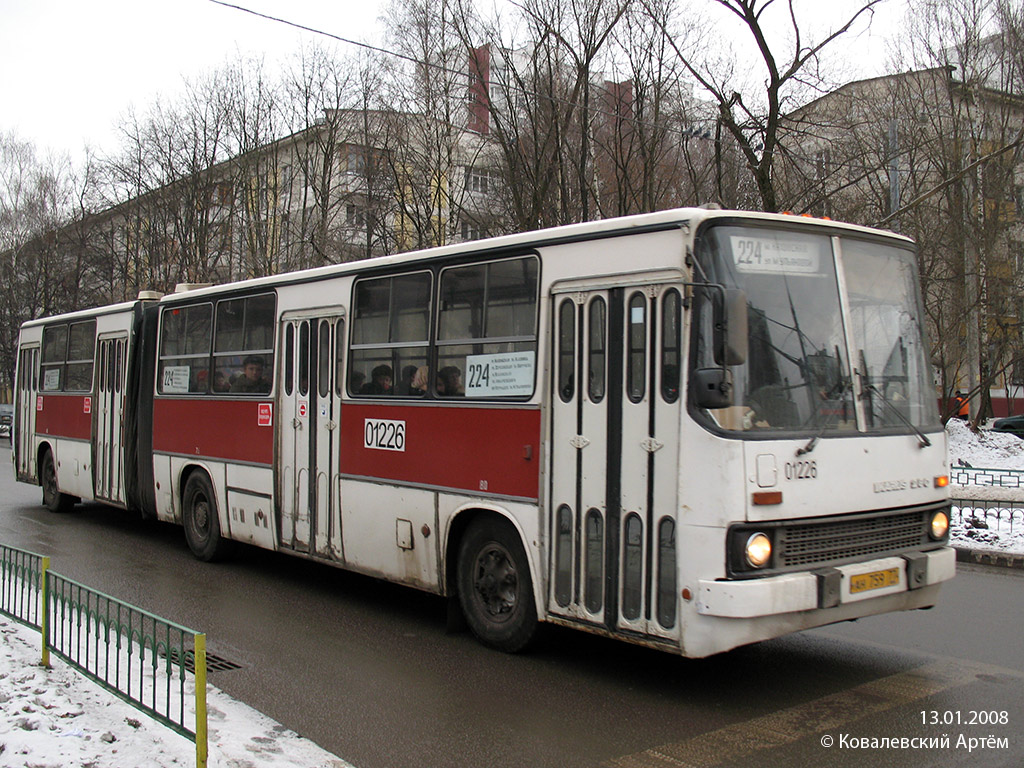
(865, 582)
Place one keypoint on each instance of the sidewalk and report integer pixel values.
(991, 557)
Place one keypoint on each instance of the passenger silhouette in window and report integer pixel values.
(251, 381)
(381, 381)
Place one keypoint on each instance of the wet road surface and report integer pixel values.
(368, 671)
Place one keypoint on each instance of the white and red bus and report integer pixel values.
(691, 429)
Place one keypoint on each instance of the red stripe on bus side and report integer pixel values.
(489, 450)
(64, 416)
(218, 429)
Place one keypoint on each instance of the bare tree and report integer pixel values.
(327, 97)
(255, 123)
(754, 119)
(38, 275)
(933, 151)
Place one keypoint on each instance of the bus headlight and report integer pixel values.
(758, 551)
(940, 525)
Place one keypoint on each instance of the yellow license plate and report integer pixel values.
(865, 582)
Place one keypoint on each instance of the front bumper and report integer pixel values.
(823, 588)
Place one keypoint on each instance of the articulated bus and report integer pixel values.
(691, 429)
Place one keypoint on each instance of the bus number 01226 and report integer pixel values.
(801, 470)
(384, 435)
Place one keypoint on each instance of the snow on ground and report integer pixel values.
(992, 450)
(988, 524)
(57, 718)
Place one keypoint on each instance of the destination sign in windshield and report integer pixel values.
(770, 255)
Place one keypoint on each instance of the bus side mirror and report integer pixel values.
(730, 333)
(711, 387)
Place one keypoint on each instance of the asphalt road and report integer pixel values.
(368, 670)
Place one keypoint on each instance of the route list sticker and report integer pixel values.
(753, 254)
(507, 374)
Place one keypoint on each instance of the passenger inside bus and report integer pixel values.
(449, 381)
(418, 385)
(405, 385)
(251, 381)
(380, 381)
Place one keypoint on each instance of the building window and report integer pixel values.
(481, 181)
(357, 216)
(471, 230)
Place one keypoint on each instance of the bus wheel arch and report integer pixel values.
(493, 579)
(53, 499)
(200, 516)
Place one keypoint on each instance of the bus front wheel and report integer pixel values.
(53, 499)
(495, 588)
(199, 516)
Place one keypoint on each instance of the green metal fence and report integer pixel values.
(136, 655)
(20, 584)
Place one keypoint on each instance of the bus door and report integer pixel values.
(309, 509)
(24, 427)
(615, 455)
(108, 413)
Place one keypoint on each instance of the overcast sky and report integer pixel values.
(68, 68)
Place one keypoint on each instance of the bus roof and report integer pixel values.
(83, 314)
(659, 220)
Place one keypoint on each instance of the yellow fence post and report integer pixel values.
(44, 623)
(200, 665)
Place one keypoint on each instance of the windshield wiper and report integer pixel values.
(923, 441)
(843, 385)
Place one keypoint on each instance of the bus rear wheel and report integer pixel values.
(495, 588)
(199, 517)
(53, 499)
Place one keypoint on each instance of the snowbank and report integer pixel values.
(53, 718)
(992, 450)
(995, 519)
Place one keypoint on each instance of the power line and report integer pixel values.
(512, 86)
(331, 35)
(690, 132)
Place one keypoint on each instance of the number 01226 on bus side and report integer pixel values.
(384, 435)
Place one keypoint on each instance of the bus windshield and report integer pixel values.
(835, 333)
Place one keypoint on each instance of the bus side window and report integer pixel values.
(596, 354)
(243, 350)
(339, 359)
(566, 349)
(289, 359)
(55, 346)
(670, 345)
(185, 334)
(390, 336)
(68, 352)
(636, 340)
(487, 324)
(81, 351)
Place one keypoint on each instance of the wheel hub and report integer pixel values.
(496, 581)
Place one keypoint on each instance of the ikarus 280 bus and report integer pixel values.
(690, 429)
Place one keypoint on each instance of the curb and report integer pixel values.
(990, 557)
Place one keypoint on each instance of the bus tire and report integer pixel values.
(199, 518)
(495, 588)
(53, 499)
